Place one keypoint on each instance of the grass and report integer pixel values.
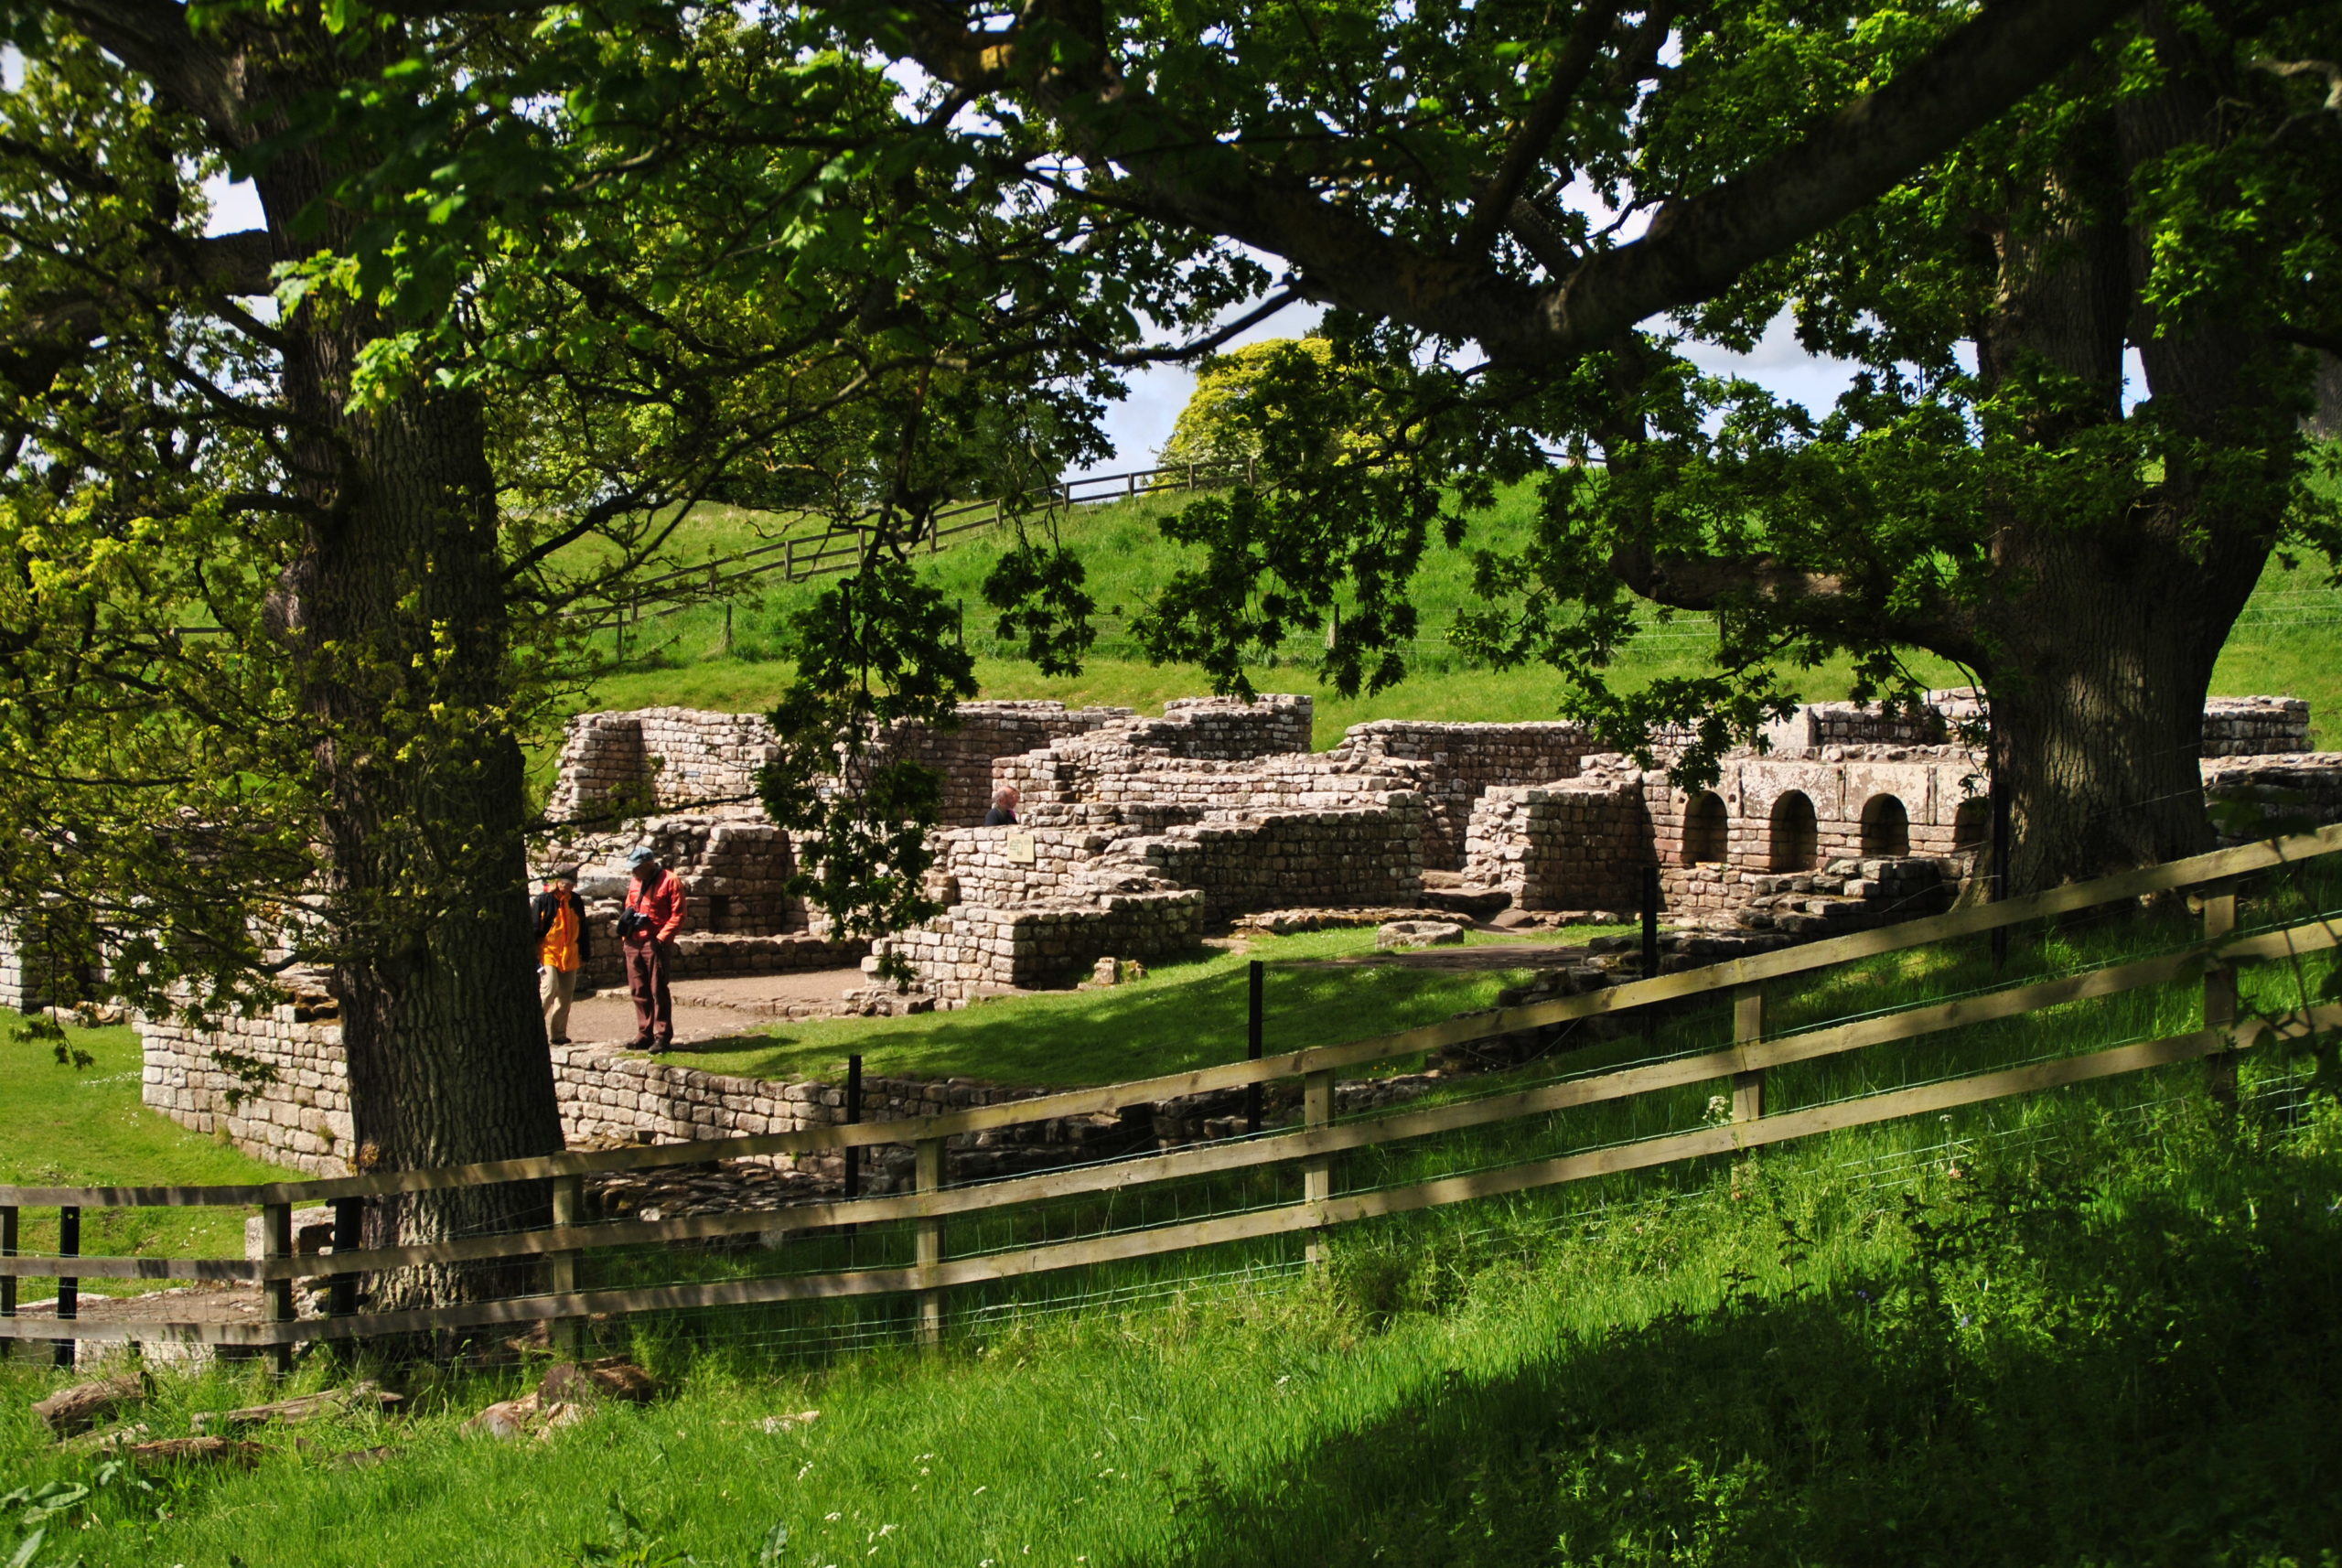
(2088, 1327)
(1186, 1013)
(2109, 1343)
(2283, 644)
(64, 1127)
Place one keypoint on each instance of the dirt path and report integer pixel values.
(711, 1009)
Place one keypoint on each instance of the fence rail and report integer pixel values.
(1309, 1147)
(839, 543)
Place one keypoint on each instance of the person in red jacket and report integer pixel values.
(647, 927)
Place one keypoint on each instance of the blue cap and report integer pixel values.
(639, 856)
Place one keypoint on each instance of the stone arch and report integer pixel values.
(1971, 824)
(1707, 830)
(1795, 836)
(1886, 826)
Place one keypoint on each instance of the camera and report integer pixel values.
(631, 921)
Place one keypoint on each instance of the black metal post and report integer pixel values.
(68, 1290)
(349, 1235)
(7, 1282)
(1252, 1040)
(2003, 831)
(1650, 920)
(853, 1118)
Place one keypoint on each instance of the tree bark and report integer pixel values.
(396, 616)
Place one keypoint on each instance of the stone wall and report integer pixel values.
(1577, 844)
(970, 950)
(2265, 797)
(290, 1103)
(965, 754)
(1371, 854)
(1456, 764)
(656, 759)
(2255, 726)
(652, 760)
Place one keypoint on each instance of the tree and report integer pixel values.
(306, 523)
(1912, 177)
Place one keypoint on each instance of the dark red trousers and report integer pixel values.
(646, 982)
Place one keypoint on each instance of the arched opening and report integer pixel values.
(1886, 826)
(1971, 825)
(1707, 830)
(1796, 836)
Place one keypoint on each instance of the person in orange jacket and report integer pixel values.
(647, 927)
(563, 947)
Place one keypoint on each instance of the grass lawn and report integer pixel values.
(2281, 645)
(1186, 1013)
(2111, 1343)
(59, 1127)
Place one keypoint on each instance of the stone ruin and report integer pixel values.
(1136, 835)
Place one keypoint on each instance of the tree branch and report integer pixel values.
(1694, 248)
(1535, 134)
(153, 38)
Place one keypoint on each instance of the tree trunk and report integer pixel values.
(397, 618)
(2098, 709)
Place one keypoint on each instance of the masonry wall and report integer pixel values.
(1580, 844)
(301, 1119)
(1456, 763)
(657, 760)
(971, 951)
(2255, 726)
(1277, 860)
(965, 754)
(2266, 796)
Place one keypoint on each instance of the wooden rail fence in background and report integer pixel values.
(1311, 1147)
(838, 544)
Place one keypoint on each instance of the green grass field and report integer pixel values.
(2284, 643)
(1186, 1013)
(64, 1127)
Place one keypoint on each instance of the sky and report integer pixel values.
(1141, 423)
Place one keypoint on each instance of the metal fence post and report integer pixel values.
(349, 1235)
(7, 1282)
(1252, 1043)
(852, 1117)
(1318, 1174)
(929, 1177)
(69, 1288)
(2219, 996)
(1748, 1029)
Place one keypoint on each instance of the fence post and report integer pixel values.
(68, 1289)
(1318, 1174)
(788, 562)
(852, 1117)
(561, 1277)
(1254, 1033)
(349, 1235)
(276, 1242)
(2219, 996)
(7, 1282)
(929, 1177)
(1748, 1029)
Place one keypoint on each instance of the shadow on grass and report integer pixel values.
(2051, 1384)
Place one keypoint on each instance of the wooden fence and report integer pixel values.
(837, 546)
(1310, 1147)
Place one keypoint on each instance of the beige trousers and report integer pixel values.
(556, 988)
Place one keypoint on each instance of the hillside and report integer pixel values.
(2283, 644)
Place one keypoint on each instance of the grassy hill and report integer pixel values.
(2284, 644)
